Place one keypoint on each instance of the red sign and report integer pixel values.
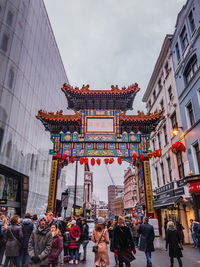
(194, 186)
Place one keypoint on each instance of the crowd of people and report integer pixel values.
(48, 241)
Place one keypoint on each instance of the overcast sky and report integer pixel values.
(105, 42)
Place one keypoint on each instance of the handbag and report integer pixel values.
(13, 247)
(95, 248)
(180, 246)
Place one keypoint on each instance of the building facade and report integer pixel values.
(31, 70)
(186, 60)
(113, 191)
(172, 199)
(119, 205)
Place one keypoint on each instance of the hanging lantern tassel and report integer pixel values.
(92, 161)
(86, 161)
(106, 161)
(72, 159)
(81, 161)
(98, 161)
(119, 160)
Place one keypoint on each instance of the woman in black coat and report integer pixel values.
(173, 240)
(123, 243)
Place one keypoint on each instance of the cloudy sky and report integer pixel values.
(105, 42)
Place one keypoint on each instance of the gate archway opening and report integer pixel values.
(100, 128)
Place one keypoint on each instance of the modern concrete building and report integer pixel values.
(186, 60)
(168, 171)
(31, 75)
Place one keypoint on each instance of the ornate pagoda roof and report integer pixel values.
(58, 122)
(145, 123)
(119, 99)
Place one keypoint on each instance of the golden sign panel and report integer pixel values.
(52, 186)
(148, 187)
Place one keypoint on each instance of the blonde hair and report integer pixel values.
(121, 220)
(170, 223)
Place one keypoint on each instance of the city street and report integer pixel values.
(191, 258)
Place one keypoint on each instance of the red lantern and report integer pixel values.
(111, 160)
(92, 161)
(64, 157)
(59, 155)
(81, 161)
(135, 156)
(182, 148)
(150, 155)
(86, 161)
(72, 159)
(141, 156)
(119, 160)
(106, 161)
(158, 153)
(98, 161)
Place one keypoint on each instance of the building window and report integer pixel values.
(4, 42)
(159, 141)
(8, 150)
(160, 84)
(180, 164)
(150, 104)
(174, 121)
(191, 21)
(197, 151)
(190, 69)
(184, 38)
(153, 144)
(162, 106)
(190, 114)
(169, 168)
(163, 173)
(9, 19)
(11, 77)
(166, 68)
(177, 51)
(165, 134)
(170, 93)
(158, 182)
(1, 137)
(154, 95)
(32, 161)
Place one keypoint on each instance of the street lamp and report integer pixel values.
(176, 131)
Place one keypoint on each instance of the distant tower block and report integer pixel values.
(88, 190)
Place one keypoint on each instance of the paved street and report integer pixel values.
(191, 258)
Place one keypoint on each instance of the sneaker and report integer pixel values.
(71, 262)
(76, 261)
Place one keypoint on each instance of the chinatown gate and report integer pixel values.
(99, 128)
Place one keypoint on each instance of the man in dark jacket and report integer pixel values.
(39, 245)
(146, 240)
(84, 239)
(27, 228)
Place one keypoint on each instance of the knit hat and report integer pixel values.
(100, 220)
(73, 222)
(42, 217)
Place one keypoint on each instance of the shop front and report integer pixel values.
(14, 189)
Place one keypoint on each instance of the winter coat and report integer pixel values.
(122, 238)
(84, 233)
(13, 245)
(102, 255)
(2, 234)
(147, 236)
(173, 240)
(135, 230)
(74, 234)
(56, 248)
(27, 228)
(40, 245)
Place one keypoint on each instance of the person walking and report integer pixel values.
(2, 237)
(110, 232)
(39, 245)
(123, 243)
(75, 234)
(147, 236)
(180, 229)
(173, 240)
(135, 231)
(56, 246)
(14, 237)
(27, 228)
(100, 237)
(84, 239)
(194, 230)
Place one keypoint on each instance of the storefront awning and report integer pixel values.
(165, 202)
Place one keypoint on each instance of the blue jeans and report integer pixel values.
(194, 237)
(24, 259)
(148, 256)
(74, 252)
(54, 264)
